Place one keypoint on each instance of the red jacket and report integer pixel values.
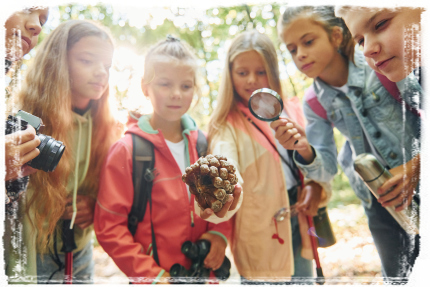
(172, 212)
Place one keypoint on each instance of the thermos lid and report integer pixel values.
(368, 167)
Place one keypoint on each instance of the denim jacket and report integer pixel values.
(393, 130)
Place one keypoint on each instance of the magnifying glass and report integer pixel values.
(266, 105)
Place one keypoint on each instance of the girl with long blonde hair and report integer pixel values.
(261, 242)
(67, 87)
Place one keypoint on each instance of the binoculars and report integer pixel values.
(198, 274)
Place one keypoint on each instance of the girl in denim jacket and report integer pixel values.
(372, 121)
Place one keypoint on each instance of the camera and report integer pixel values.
(198, 274)
(50, 149)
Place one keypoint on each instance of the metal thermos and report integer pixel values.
(374, 175)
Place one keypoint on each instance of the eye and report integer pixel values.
(360, 42)
(308, 43)
(186, 87)
(86, 62)
(292, 51)
(261, 73)
(381, 24)
(242, 73)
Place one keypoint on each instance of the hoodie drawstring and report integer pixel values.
(87, 163)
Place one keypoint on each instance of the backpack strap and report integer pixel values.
(392, 88)
(202, 144)
(313, 102)
(143, 167)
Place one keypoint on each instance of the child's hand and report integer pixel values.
(20, 148)
(229, 205)
(404, 181)
(85, 210)
(309, 199)
(216, 255)
(288, 132)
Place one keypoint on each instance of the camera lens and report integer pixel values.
(51, 151)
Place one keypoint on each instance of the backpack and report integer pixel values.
(143, 176)
(313, 102)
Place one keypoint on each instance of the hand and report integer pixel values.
(404, 181)
(20, 148)
(288, 132)
(229, 205)
(165, 278)
(85, 210)
(216, 255)
(309, 199)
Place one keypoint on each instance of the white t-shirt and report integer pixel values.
(178, 152)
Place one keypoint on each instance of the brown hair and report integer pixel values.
(324, 16)
(47, 94)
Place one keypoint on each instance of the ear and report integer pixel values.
(337, 36)
(144, 88)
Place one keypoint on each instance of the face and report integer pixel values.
(171, 91)
(389, 37)
(248, 74)
(22, 31)
(89, 61)
(310, 47)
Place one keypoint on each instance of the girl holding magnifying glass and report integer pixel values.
(262, 243)
(355, 102)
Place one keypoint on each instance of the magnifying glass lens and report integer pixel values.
(265, 104)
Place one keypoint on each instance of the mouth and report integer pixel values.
(98, 85)
(382, 64)
(27, 40)
(174, 107)
(307, 66)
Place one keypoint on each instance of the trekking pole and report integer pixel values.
(68, 237)
(320, 277)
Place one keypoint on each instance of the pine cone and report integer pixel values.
(211, 179)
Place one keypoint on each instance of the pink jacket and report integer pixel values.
(173, 214)
(256, 254)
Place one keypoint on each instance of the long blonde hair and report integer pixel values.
(323, 16)
(227, 97)
(47, 94)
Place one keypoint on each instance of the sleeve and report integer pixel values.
(319, 132)
(226, 147)
(114, 203)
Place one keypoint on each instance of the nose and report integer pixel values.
(176, 92)
(371, 48)
(301, 54)
(252, 78)
(33, 24)
(101, 70)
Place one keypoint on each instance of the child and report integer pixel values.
(262, 247)
(66, 86)
(170, 83)
(22, 33)
(390, 38)
(365, 113)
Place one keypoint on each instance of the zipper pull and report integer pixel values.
(192, 219)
